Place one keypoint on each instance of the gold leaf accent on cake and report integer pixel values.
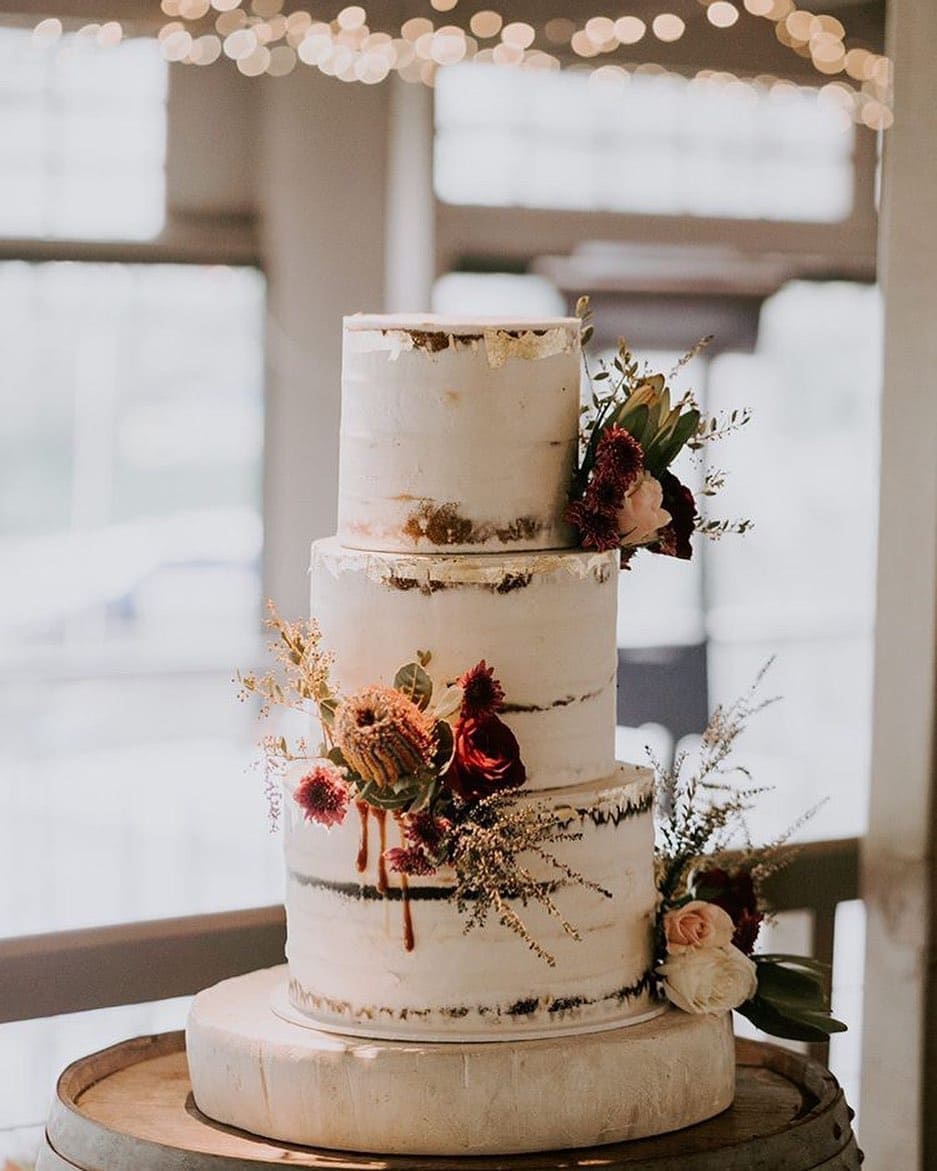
(443, 524)
(529, 345)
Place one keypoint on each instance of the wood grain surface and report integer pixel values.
(130, 1106)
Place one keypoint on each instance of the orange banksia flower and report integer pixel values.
(383, 735)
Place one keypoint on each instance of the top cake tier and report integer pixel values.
(457, 435)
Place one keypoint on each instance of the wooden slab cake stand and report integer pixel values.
(130, 1108)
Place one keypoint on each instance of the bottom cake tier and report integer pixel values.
(372, 956)
(253, 1069)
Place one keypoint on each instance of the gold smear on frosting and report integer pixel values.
(466, 569)
(530, 345)
(500, 345)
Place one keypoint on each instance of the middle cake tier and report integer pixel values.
(544, 621)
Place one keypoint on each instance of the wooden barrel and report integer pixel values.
(130, 1108)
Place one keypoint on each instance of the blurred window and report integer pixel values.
(82, 138)
(800, 586)
(130, 535)
(496, 293)
(656, 144)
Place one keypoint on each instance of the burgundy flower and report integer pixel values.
(426, 830)
(604, 494)
(734, 891)
(597, 529)
(409, 861)
(486, 758)
(323, 796)
(675, 539)
(482, 695)
(619, 457)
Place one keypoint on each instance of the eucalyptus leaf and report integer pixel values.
(425, 798)
(449, 702)
(385, 798)
(327, 709)
(445, 742)
(336, 756)
(415, 684)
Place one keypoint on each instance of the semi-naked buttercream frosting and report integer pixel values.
(367, 955)
(545, 620)
(457, 435)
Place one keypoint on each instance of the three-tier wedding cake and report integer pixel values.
(470, 889)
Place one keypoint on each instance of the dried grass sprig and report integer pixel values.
(700, 813)
(486, 852)
(301, 674)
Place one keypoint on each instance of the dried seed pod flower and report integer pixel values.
(383, 735)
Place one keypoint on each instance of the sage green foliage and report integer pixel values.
(413, 681)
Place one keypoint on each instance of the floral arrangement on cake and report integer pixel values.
(712, 904)
(624, 494)
(445, 767)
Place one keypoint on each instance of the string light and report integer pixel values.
(600, 29)
(722, 14)
(228, 22)
(518, 35)
(559, 31)
(486, 23)
(629, 30)
(668, 27)
(47, 32)
(261, 38)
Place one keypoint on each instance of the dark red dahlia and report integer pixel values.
(619, 457)
(486, 759)
(597, 529)
(675, 539)
(323, 796)
(733, 891)
(409, 861)
(604, 494)
(426, 830)
(482, 694)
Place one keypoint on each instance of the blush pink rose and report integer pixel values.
(696, 925)
(642, 513)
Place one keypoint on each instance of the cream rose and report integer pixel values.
(697, 924)
(641, 515)
(709, 979)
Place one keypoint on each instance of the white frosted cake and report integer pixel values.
(459, 441)
(460, 436)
